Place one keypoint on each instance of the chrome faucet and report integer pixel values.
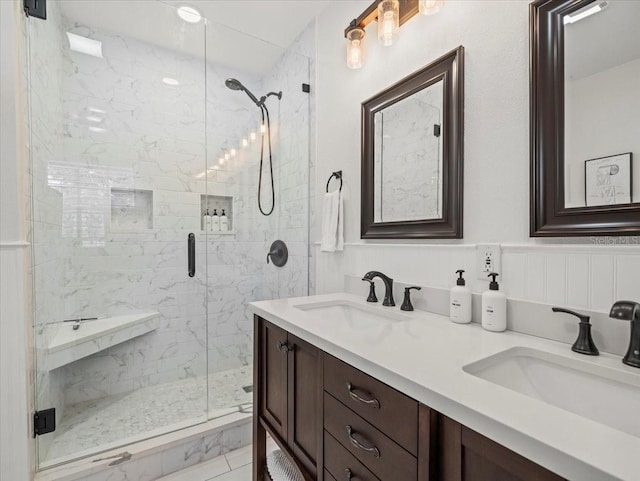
(388, 286)
(629, 311)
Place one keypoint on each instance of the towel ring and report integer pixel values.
(337, 175)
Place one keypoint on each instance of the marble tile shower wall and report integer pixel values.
(293, 173)
(151, 137)
(125, 129)
(238, 272)
(48, 247)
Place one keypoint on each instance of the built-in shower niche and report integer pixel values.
(131, 209)
(218, 203)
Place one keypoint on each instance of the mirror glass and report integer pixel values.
(602, 104)
(408, 157)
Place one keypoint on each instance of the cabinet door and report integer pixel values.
(273, 376)
(466, 455)
(305, 403)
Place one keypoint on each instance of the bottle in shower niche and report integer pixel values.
(494, 307)
(224, 222)
(460, 301)
(215, 221)
(206, 220)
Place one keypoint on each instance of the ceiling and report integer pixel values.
(603, 40)
(247, 35)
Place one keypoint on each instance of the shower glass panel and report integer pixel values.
(118, 114)
(136, 140)
(238, 272)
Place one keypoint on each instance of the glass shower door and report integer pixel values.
(118, 172)
(239, 166)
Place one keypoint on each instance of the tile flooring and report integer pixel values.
(233, 466)
(107, 423)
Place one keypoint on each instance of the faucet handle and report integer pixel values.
(372, 290)
(584, 344)
(406, 304)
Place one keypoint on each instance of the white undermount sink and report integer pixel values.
(602, 394)
(356, 316)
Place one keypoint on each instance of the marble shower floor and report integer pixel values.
(106, 423)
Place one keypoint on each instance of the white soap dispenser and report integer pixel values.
(224, 222)
(460, 301)
(215, 221)
(494, 307)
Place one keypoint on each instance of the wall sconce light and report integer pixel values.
(388, 21)
(390, 15)
(355, 47)
(430, 7)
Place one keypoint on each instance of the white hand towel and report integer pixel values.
(332, 222)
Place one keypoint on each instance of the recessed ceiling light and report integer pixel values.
(189, 14)
(170, 81)
(85, 45)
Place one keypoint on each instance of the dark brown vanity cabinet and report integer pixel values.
(336, 423)
(465, 455)
(288, 397)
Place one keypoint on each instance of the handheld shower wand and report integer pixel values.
(235, 84)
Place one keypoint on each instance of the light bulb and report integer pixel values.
(355, 48)
(189, 14)
(388, 21)
(430, 7)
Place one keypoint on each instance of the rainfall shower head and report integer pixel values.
(235, 84)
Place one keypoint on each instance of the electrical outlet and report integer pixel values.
(488, 260)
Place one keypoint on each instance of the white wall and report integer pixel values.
(496, 160)
(602, 118)
(15, 407)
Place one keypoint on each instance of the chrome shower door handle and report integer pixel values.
(191, 254)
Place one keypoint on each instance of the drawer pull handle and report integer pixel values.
(349, 474)
(373, 402)
(373, 450)
(283, 346)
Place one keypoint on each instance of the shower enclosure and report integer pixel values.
(140, 327)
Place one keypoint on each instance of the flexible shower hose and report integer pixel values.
(264, 111)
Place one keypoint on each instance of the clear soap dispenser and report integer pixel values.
(460, 301)
(494, 307)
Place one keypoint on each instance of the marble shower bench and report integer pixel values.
(69, 345)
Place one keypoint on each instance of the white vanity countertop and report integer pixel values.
(424, 356)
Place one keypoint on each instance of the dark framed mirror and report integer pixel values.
(585, 118)
(412, 155)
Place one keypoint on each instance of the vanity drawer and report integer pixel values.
(380, 454)
(339, 463)
(328, 477)
(389, 410)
